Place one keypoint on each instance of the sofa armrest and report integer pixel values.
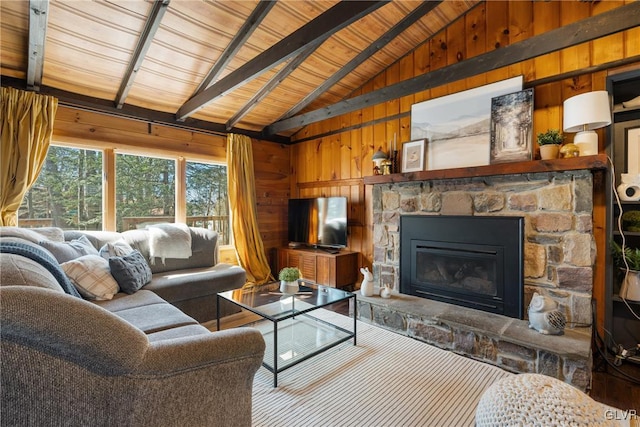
(70, 328)
(192, 352)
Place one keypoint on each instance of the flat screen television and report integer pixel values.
(319, 222)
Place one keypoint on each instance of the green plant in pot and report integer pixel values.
(549, 143)
(630, 288)
(289, 277)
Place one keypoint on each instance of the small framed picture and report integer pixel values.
(413, 155)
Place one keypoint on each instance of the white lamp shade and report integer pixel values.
(587, 111)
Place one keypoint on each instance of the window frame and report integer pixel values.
(109, 182)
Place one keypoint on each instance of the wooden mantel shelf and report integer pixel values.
(598, 161)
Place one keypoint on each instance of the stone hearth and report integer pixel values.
(559, 255)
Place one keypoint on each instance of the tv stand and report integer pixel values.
(338, 268)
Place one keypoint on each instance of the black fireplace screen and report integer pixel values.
(470, 261)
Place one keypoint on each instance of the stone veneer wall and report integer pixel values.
(559, 257)
(559, 245)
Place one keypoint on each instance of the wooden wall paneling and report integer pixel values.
(546, 17)
(392, 75)
(610, 48)
(476, 40)
(576, 57)
(345, 155)
(438, 59)
(497, 34)
(357, 147)
(379, 112)
(455, 51)
(521, 28)
(422, 65)
(547, 105)
(405, 72)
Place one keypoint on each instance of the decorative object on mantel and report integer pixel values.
(569, 150)
(385, 291)
(457, 125)
(511, 127)
(549, 143)
(288, 277)
(366, 288)
(583, 113)
(413, 155)
(544, 315)
(378, 157)
(387, 167)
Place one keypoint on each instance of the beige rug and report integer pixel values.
(386, 380)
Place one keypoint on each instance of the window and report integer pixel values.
(144, 190)
(207, 200)
(67, 193)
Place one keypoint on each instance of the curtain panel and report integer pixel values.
(26, 122)
(244, 218)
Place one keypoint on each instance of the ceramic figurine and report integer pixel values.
(544, 315)
(366, 288)
(385, 291)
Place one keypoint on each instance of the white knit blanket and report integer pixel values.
(169, 241)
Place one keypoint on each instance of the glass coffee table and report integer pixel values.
(292, 325)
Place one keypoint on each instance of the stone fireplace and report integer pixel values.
(558, 257)
(466, 260)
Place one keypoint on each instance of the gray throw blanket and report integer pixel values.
(43, 258)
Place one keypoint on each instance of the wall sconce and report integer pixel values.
(583, 113)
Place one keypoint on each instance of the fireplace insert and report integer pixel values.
(471, 261)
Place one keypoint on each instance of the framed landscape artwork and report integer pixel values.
(457, 125)
(511, 127)
(413, 156)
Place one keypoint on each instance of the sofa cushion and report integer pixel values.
(91, 276)
(155, 317)
(119, 248)
(97, 238)
(41, 256)
(16, 270)
(66, 251)
(178, 332)
(130, 271)
(122, 301)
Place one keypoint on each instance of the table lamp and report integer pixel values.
(583, 113)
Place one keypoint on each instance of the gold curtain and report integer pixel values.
(244, 217)
(26, 122)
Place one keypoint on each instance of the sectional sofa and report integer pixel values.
(77, 351)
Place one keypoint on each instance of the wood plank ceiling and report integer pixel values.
(262, 68)
(220, 65)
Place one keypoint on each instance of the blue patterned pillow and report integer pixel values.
(130, 271)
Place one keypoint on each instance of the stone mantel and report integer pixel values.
(596, 162)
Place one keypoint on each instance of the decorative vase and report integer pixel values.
(549, 151)
(289, 288)
(630, 289)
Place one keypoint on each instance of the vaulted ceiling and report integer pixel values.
(222, 65)
(262, 68)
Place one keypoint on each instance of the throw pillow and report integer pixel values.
(91, 276)
(130, 271)
(119, 248)
(22, 233)
(66, 251)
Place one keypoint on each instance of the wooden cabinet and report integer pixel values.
(337, 270)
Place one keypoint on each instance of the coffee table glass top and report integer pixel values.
(294, 327)
(269, 302)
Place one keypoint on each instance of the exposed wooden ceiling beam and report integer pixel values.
(275, 81)
(333, 20)
(253, 22)
(386, 38)
(38, 16)
(105, 106)
(604, 24)
(153, 22)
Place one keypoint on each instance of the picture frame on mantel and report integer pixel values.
(413, 155)
(511, 127)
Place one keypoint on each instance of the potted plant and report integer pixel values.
(288, 277)
(630, 288)
(549, 143)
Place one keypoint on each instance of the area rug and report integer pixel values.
(385, 380)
